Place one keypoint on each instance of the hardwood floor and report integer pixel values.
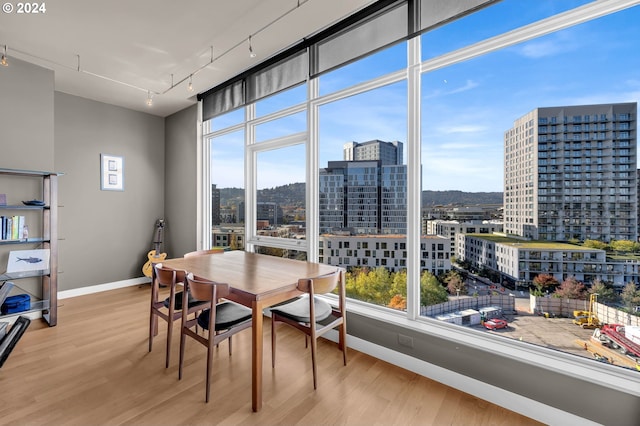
(94, 368)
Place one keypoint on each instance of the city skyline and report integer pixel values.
(466, 107)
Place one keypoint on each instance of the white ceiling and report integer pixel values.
(125, 48)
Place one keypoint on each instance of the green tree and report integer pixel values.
(431, 291)
(630, 296)
(571, 288)
(605, 293)
(596, 244)
(398, 291)
(624, 246)
(370, 285)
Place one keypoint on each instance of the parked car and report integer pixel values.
(495, 323)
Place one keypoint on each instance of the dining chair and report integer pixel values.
(171, 308)
(221, 320)
(215, 250)
(306, 313)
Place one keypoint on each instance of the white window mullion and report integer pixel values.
(313, 170)
(250, 165)
(203, 185)
(414, 178)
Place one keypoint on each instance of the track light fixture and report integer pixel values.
(149, 100)
(251, 52)
(3, 61)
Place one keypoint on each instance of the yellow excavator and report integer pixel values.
(587, 319)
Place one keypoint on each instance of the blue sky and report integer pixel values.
(467, 107)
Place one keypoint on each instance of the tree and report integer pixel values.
(455, 285)
(398, 302)
(431, 291)
(570, 288)
(545, 282)
(625, 246)
(630, 296)
(605, 293)
(596, 244)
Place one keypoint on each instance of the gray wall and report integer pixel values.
(181, 180)
(105, 235)
(26, 117)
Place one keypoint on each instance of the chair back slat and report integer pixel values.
(206, 290)
(321, 285)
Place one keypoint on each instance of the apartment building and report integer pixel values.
(570, 173)
(449, 228)
(519, 261)
(389, 251)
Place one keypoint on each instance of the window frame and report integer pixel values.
(613, 377)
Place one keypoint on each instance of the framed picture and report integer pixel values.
(28, 260)
(111, 173)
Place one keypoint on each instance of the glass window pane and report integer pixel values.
(226, 120)
(491, 21)
(363, 193)
(294, 123)
(520, 128)
(227, 190)
(279, 252)
(281, 195)
(282, 100)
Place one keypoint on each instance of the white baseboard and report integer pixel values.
(498, 396)
(82, 291)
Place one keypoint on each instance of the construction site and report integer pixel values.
(585, 334)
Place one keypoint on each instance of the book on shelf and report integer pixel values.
(12, 227)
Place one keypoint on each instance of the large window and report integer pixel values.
(383, 164)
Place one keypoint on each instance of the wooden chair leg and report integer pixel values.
(230, 345)
(273, 342)
(169, 337)
(182, 345)
(151, 331)
(314, 346)
(209, 363)
(343, 341)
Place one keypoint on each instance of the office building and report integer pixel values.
(215, 205)
(570, 173)
(389, 153)
(363, 197)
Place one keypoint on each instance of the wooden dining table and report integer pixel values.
(256, 281)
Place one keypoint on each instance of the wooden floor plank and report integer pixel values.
(95, 368)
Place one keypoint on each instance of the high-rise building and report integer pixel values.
(389, 153)
(570, 173)
(215, 205)
(363, 197)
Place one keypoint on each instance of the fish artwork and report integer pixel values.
(29, 259)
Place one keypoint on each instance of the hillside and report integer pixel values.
(437, 198)
(293, 195)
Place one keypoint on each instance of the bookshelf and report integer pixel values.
(42, 222)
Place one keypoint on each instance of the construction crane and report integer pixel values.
(587, 319)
